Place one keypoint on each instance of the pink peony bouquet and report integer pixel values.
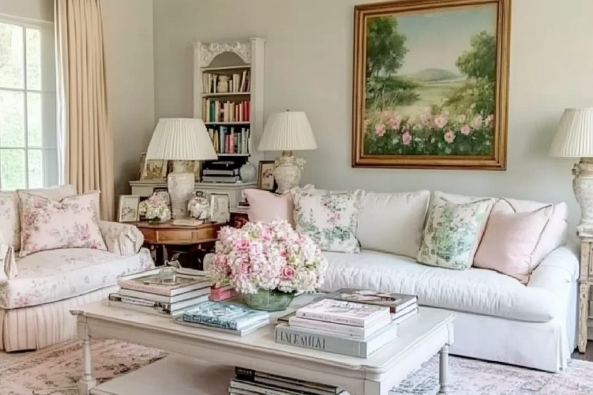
(269, 256)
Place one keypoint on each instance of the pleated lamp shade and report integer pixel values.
(287, 131)
(181, 139)
(574, 137)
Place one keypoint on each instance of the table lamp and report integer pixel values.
(574, 139)
(288, 131)
(180, 140)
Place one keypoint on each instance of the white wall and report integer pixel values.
(41, 10)
(128, 27)
(309, 67)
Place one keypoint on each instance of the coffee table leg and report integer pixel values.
(444, 370)
(87, 381)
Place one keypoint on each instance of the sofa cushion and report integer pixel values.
(554, 234)
(10, 223)
(453, 232)
(71, 222)
(265, 206)
(49, 276)
(393, 222)
(478, 291)
(330, 218)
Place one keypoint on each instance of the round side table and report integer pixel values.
(197, 240)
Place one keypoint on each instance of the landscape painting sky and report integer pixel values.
(435, 40)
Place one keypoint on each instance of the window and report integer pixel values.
(28, 124)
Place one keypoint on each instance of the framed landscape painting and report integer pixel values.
(431, 84)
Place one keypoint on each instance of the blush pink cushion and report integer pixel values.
(510, 240)
(70, 223)
(265, 206)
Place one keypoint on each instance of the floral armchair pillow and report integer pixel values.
(70, 223)
(330, 218)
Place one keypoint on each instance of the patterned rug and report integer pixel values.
(55, 370)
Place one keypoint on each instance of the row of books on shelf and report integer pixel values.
(230, 140)
(225, 83)
(339, 325)
(225, 111)
(249, 382)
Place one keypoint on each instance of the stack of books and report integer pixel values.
(222, 171)
(340, 327)
(147, 293)
(226, 317)
(248, 382)
(401, 306)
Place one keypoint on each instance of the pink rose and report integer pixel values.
(395, 122)
(449, 136)
(441, 121)
(461, 118)
(380, 129)
(287, 273)
(242, 245)
(477, 122)
(406, 138)
(466, 130)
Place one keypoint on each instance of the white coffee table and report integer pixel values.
(205, 359)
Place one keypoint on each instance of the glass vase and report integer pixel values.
(268, 300)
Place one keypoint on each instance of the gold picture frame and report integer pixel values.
(418, 103)
(154, 169)
(265, 175)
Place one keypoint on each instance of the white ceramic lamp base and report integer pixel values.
(583, 191)
(181, 185)
(288, 171)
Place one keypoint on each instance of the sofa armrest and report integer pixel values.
(121, 239)
(7, 262)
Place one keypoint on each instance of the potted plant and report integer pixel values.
(155, 209)
(267, 263)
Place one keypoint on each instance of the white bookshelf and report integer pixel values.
(231, 58)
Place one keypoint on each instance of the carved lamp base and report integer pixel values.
(181, 187)
(583, 191)
(288, 171)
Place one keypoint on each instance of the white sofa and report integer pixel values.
(498, 318)
(38, 291)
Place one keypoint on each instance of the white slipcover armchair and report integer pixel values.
(38, 291)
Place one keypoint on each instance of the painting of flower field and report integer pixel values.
(431, 82)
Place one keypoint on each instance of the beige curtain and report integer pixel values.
(85, 128)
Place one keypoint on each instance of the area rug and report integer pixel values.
(55, 370)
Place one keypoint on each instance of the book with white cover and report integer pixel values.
(342, 312)
(151, 282)
(162, 298)
(348, 331)
(317, 340)
(166, 308)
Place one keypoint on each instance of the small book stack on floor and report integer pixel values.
(147, 293)
(225, 317)
(339, 325)
(251, 382)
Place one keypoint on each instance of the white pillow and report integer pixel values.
(393, 222)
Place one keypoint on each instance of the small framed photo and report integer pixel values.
(128, 208)
(220, 207)
(265, 178)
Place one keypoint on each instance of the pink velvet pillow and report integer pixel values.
(510, 240)
(265, 206)
(70, 223)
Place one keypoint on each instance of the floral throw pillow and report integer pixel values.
(329, 218)
(70, 223)
(453, 232)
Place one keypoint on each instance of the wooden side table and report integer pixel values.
(197, 239)
(585, 282)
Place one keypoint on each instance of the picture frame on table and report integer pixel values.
(220, 207)
(434, 97)
(153, 169)
(265, 175)
(128, 208)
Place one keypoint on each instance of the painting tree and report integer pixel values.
(479, 65)
(386, 51)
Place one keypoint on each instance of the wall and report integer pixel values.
(128, 27)
(42, 10)
(309, 67)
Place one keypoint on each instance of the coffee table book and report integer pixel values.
(285, 383)
(324, 341)
(394, 301)
(150, 282)
(224, 315)
(151, 307)
(163, 298)
(342, 312)
(348, 331)
(246, 330)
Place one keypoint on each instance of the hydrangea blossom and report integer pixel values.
(155, 208)
(269, 256)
